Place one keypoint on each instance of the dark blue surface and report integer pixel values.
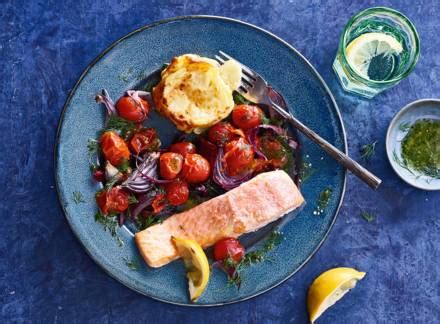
(46, 275)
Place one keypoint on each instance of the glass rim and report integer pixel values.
(386, 10)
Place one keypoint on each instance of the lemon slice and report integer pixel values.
(373, 46)
(196, 264)
(328, 288)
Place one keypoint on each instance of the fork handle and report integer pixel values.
(342, 158)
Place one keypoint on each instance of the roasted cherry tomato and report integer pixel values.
(223, 132)
(183, 148)
(247, 116)
(98, 175)
(239, 157)
(195, 168)
(159, 203)
(273, 150)
(144, 140)
(177, 192)
(114, 148)
(228, 247)
(170, 165)
(135, 110)
(208, 150)
(114, 200)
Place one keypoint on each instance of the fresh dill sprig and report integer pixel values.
(111, 183)
(122, 126)
(131, 264)
(144, 222)
(124, 166)
(78, 197)
(250, 258)
(368, 150)
(132, 200)
(369, 217)
(110, 223)
(92, 152)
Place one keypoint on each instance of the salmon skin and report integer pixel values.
(247, 208)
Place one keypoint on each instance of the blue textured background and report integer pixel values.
(45, 276)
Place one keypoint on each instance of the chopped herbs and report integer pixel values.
(239, 99)
(145, 221)
(367, 151)
(110, 223)
(253, 257)
(78, 197)
(306, 171)
(124, 166)
(111, 183)
(132, 200)
(369, 217)
(131, 264)
(93, 148)
(324, 199)
(122, 126)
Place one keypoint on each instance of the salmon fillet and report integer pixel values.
(247, 208)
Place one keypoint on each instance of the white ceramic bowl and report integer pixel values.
(408, 115)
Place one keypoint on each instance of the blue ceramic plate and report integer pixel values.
(122, 66)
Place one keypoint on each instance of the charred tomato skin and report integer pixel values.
(114, 200)
(239, 157)
(183, 148)
(221, 133)
(228, 247)
(247, 116)
(195, 168)
(114, 148)
(170, 165)
(177, 192)
(132, 110)
(143, 140)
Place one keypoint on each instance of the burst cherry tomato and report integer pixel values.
(114, 200)
(114, 148)
(143, 140)
(239, 157)
(228, 247)
(222, 132)
(274, 150)
(135, 110)
(170, 165)
(159, 203)
(195, 168)
(177, 192)
(247, 116)
(208, 150)
(183, 148)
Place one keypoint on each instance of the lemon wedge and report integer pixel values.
(373, 46)
(196, 264)
(328, 288)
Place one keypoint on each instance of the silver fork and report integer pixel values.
(254, 88)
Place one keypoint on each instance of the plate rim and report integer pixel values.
(166, 21)
(388, 141)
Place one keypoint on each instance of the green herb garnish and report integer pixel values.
(324, 199)
(369, 217)
(306, 171)
(367, 151)
(131, 264)
(78, 197)
(122, 126)
(251, 258)
(110, 223)
(124, 166)
(111, 183)
(132, 200)
(145, 221)
(239, 99)
(92, 151)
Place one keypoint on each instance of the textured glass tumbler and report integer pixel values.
(378, 48)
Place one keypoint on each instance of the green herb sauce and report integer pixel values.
(324, 199)
(421, 147)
